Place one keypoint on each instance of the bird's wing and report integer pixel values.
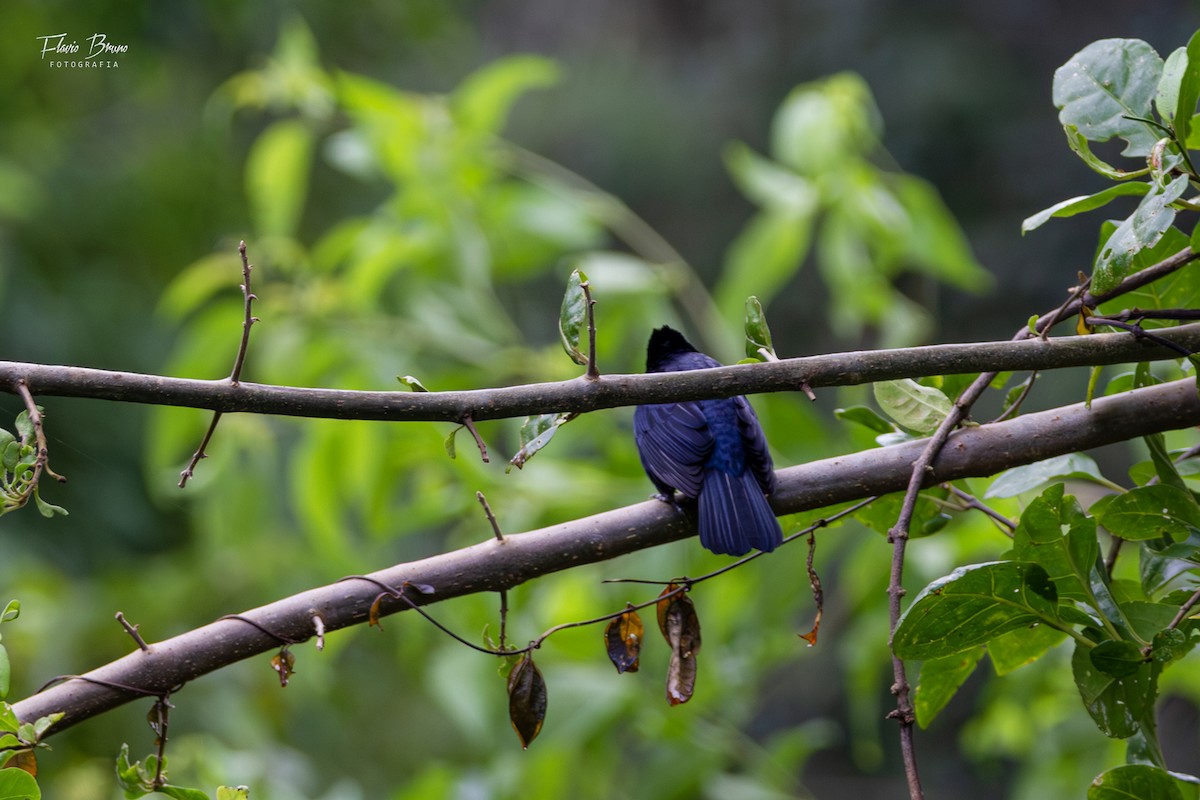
(674, 443)
(754, 442)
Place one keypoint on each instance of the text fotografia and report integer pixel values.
(96, 51)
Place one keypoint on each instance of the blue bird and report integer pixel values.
(711, 451)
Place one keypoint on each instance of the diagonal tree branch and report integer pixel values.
(499, 565)
(608, 391)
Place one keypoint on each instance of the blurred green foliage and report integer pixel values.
(398, 233)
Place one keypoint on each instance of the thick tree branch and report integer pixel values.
(493, 565)
(608, 391)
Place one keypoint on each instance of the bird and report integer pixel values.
(711, 451)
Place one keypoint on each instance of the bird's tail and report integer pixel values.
(735, 516)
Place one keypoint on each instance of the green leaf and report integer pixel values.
(1166, 98)
(758, 333)
(1087, 202)
(973, 605)
(482, 101)
(1189, 91)
(1150, 512)
(5, 672)
(1017, 648)
(1180, 289)
(233, 793)
(764, 256)
(916, 407)
(1142, 229)
(1017, 480)
(1134, 782)
(11, 611)
(1103, 84)
(412, 383)
(1117, 659)
(866, 417)
(1079, 145)
(821, 125)
(180, 793)
(536, 433)
(1164, 465)
(939, 681)
(277, 172)
(1116, 705)
(47, 509)
(769, 184)
(572, 317)
(17, 784)
(1055, 533)
(25, 425)
(933, 241)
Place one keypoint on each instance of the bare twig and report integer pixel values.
(1188, 605)
(235, 374)
(1141, 333)
(41, 463)
(487, 509)
(593, 373)
(469, 424)
(132, 630)
(971, 501)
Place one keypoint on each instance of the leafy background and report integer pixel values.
(395, 234)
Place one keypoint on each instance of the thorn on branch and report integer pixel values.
(808, 391)
(319, 629)
(132, 630)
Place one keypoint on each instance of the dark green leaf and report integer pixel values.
(1142, 229)
(1055, 533)
(1023, 646)
(1134, 782)
(1116, 705)
(1117, 659)
(1189, 91)
(758, 333)
(940, 680)
(1103, 84)
(572, 317)
(1017, 480)
(1149, 512)
(866, 417)
(1164, 465)
(1180, 289)
(5, 672)
(973, 605)
(1078, 205)
(451, 450)
(1171, 644)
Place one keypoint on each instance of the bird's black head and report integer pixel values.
(665, 343)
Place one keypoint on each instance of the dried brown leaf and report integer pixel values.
(526, 700)
(284, 663)
(623, 641)
(680, 626)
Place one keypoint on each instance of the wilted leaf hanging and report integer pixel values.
(814, 582)
(536, 433)
(681, 628)
(623, 640)
(572, 317)
(373, 614)
(526, 700)
(284, 663)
